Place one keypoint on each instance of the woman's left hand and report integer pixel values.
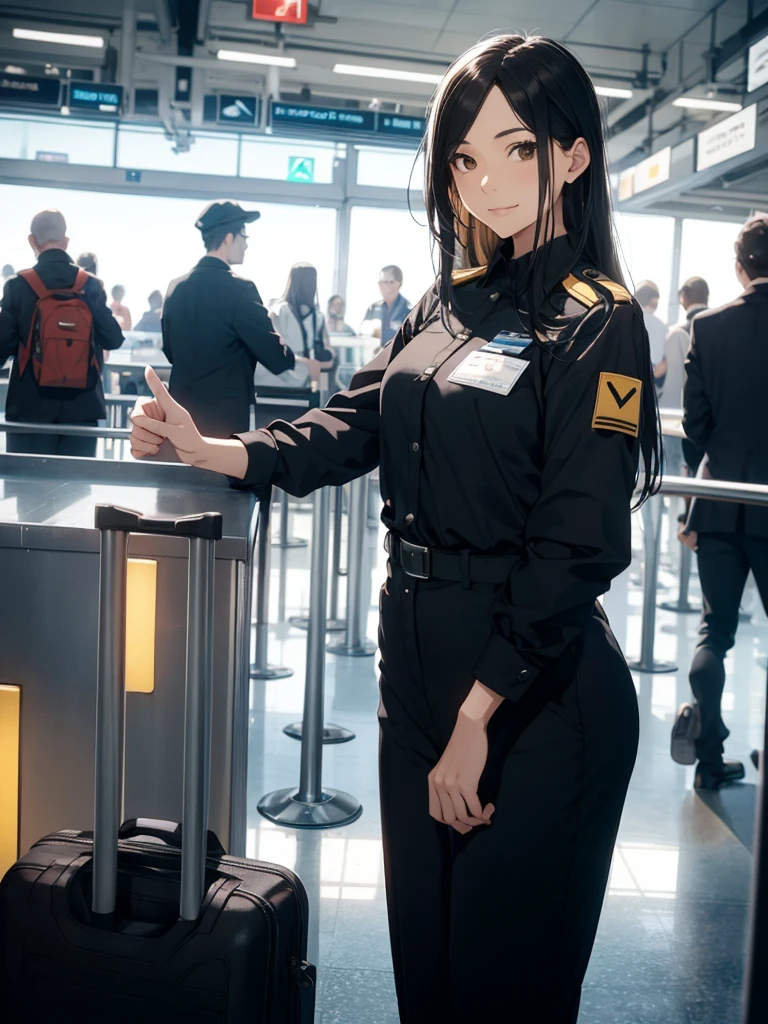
(453, 782)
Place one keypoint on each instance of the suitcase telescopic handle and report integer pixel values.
(202, 531)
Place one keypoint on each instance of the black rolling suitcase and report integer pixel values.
(158, 926)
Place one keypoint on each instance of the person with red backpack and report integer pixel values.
(55, 324)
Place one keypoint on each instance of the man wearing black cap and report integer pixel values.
(216, 329)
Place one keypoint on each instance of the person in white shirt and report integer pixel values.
(647, 294)
(299, 321)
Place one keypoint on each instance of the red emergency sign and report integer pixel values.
(292, 11)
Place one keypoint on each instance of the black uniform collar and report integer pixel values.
(558, 256)
(213, 263)
(54, 256)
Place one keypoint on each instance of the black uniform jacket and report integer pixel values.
(726, 412)
(215, 330)
(26, 402)
(524, 474)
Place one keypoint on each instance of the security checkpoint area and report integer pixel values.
(179, 647)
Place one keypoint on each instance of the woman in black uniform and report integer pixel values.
(508, 418)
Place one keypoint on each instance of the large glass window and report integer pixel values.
(147, 148)
(390, 168)
(144, 242)
(379, 237)
(707, 251)
(78, 142)
(646, 250)
(281, 160)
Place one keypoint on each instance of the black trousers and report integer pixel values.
(498, 925)
(724, 563)
(52, 444)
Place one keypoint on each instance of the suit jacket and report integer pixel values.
(726, 412)
(26, 402)
(215, 331)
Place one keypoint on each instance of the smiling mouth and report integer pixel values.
(503, 209)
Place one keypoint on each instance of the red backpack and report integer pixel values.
(60, 341)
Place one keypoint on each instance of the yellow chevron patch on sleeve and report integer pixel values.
(617, 406)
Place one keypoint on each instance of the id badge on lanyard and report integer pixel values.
(495, 367)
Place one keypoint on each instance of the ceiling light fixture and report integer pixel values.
(61, 38)
(696, 103)
(245, 57)
(399, 76)
(614, 92)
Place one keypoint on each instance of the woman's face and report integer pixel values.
(337, 307)
(496, 171)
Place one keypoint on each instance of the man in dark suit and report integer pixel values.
(216, 329)
(26, 401)
(726, 414)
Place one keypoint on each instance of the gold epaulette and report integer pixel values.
(586, 294)
(462, 276)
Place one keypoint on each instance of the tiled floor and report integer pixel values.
(670, 949)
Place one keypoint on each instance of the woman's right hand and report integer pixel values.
(161, 418)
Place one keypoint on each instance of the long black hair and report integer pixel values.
(553, 96)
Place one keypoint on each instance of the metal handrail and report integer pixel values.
(755, 991)
(65, 429)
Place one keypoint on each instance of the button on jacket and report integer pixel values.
(215, 331)
(725, 409)
(26, 402)
(462, 469)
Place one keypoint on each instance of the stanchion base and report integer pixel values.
(292, 542)
(331, 625)
(656, 667)
(335, 809)
(681, 609)
(270, 672)
(367, 650)
(331, 733)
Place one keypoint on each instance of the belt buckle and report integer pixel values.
(415, 559)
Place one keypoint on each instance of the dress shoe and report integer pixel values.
(713, 776)
(755, 759)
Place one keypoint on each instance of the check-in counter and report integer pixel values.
(49, 560)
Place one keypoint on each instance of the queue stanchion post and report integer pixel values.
(682, 605)
(651, 551)
(755, 992)
(261, 669)
(355, 644)
(333, 623)
(286, 540)
(310, 805)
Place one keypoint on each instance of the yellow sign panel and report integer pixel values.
(618, 404)
(141, 600)
(10, 730)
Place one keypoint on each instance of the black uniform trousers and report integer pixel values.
(497, 925)
(724, 562)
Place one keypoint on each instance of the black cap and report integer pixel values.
(224, 213)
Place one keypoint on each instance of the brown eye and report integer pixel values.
(523, 151)
(463, 162)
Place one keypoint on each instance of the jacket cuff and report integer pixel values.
(502, 668)
(262, 461)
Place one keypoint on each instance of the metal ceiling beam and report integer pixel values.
(164, 21)
(203, 17)
(733, 47)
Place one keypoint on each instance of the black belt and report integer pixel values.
(456, 567)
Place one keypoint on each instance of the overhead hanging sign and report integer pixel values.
(405, 127)
(101, 99)
(237, 109)
(652, 171)
(757, 65)
(36, 92)
(626, 187)
(735, 135)
(293, 12)
(332, 119)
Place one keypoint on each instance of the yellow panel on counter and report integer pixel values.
(10, 726)
(141, 602)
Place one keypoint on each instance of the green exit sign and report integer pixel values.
(301, 168)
